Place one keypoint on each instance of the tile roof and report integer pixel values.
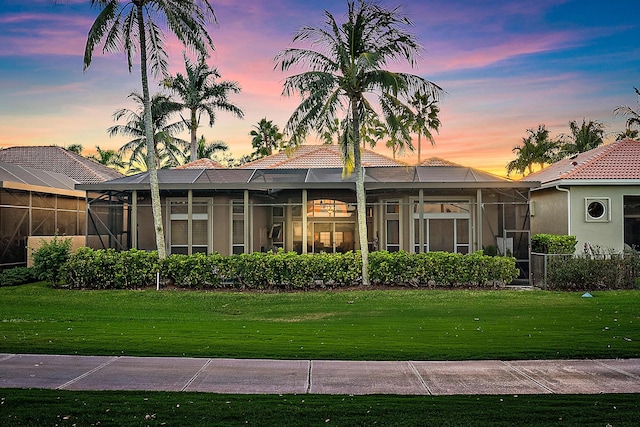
(317, 156)
(201, 164)
(618, 160)
(61, 160)
(437, 161)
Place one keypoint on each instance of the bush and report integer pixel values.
(49, 259)
(553, 244)
(284, 270)
(17, 276)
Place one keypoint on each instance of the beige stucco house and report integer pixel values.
(594, 196)
(302, 202)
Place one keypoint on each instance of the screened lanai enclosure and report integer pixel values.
(36, 203)
(313, 210)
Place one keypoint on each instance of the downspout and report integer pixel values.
(564, 190)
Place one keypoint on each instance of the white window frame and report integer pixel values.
(208, 216)
(606, 203)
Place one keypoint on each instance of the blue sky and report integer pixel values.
(506, 66)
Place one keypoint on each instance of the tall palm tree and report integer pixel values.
(200, 93)
(132, 26)
(633, 116)
(165, 145)
(584, 137)
(351, 62)
(425, 119)
(537, 148)
(109, 158)
(266, 137)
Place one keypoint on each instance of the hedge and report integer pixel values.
(108, 269)
(586, 272)
(553, 243)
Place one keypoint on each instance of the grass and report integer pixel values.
(66, 408)
(349, 325)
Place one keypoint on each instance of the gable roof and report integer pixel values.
(201, 164)
(618, 161)
(61, 160)
(315, 157)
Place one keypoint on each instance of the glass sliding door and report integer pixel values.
(446, 225)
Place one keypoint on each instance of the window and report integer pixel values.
(392, 225)
(237, 227)
(632, 221)
(180, 222)
(597, 209)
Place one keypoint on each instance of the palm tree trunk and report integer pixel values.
(148, 129)
(194, 143)
(419, 146)
(361, 196)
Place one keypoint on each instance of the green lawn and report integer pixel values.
(350, 325)
(67, 408)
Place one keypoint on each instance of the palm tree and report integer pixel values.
(537, 148)
(132, 26)
(425, 119)
(628, 133)
(266, 137)
(164, 145)
(202, 94)
(206, 150)
(109, 158)
(75, 148)
(633, 116)
(585, 137)
(349, 63)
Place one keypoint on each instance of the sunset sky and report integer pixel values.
(506, 66)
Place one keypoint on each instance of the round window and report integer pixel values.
(596, 210)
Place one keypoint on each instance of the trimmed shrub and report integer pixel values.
(17, 276)
(553, 244)
(108, 269)
(49, 259)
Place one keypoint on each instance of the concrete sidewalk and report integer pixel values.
(250, 376)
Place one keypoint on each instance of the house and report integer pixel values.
(38, 197)
(303, 203)
(594, 196)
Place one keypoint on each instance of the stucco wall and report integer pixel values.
(609, 233)
(549, 212)
(35, 242)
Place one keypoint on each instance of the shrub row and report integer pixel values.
(585, 272)
(108, 269)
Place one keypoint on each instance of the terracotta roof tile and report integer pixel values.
(618, 160)
(437, 161)
(317, 156)
(61, 160)
(201, 164)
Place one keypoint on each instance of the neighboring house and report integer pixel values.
(38, 197)
(303, 203)
(594, 196)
